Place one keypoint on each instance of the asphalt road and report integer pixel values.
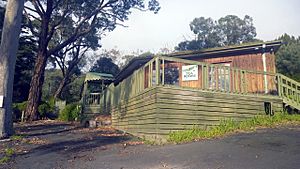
(277, 148)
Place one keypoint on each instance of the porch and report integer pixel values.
(168, 94)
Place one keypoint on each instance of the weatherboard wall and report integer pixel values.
(157, 111)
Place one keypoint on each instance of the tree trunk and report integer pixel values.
(8, 51)
(35, 91)
(37, 80)
(62, 84)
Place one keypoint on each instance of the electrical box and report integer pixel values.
(1, 101)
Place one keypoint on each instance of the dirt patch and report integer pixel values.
(58, 141)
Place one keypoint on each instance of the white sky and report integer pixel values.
(150, 32)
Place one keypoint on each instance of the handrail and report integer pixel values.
(289, 90)
(92, 99)
(216, 77)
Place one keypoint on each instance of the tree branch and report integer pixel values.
(30, 26)
(40, 5)
(38, 10)
(32, 10)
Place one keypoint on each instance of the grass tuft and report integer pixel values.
(9, 152)
(16, 137)
(230, 126)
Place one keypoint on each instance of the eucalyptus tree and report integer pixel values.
(69, 61)
(8, 51)
(228, 30)
(48, 17)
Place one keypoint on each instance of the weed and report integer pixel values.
(4, 159)
(9, 152)
(16, 137)
(230, 126)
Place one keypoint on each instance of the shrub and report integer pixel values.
(70, 113)
(18, 108)
(47, 108)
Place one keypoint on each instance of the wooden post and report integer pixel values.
(157, 70)
(229, 78)
(279, 87)
(163, 72)
(265, 68)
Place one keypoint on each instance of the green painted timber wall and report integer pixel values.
(155, 112)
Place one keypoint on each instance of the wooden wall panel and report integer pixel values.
(163, 109)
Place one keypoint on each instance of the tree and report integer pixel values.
(288, 57)
(24, 68)
(24, 62)
(2, 14)
(105, 65)
(69, 60)
(8, 50)
(228, 30)
(84, 16)
(235, 30)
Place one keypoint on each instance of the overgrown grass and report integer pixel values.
(230, 126)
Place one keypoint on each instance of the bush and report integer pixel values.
(47, 108)
(18, 108)
(70, 113)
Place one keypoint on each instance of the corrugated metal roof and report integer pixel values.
(90, 76)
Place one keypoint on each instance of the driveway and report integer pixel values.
(68, 146)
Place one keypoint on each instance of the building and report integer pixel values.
(153, 96)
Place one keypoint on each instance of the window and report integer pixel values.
(219, 77)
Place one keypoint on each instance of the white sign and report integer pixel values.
(1, 101)
(189, 72)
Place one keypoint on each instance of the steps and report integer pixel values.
(289, 91)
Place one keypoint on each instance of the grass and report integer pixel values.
(9, 152)
(231, 126)
(16, 137)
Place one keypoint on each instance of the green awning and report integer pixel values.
(93, 76)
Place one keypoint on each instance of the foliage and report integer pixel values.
(105, 65)
(24, 63)
(127, 58)
(228, 30)
(2, 13)
(230, 126)
(58, 23)
(16, 137)
(70, 113)
(288, 57)
(24, 68)
(8, 153)
(47, 108)
(20, 106)
(51, 83)
(71, 92)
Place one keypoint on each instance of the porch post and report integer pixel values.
(157, 70)
(265, 68)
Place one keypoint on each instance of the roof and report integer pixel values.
(93, 76)
(134, 64)
(257, 47)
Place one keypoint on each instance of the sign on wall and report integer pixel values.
(189, 72)
(1, 101)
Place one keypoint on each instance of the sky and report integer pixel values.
(146, 31)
